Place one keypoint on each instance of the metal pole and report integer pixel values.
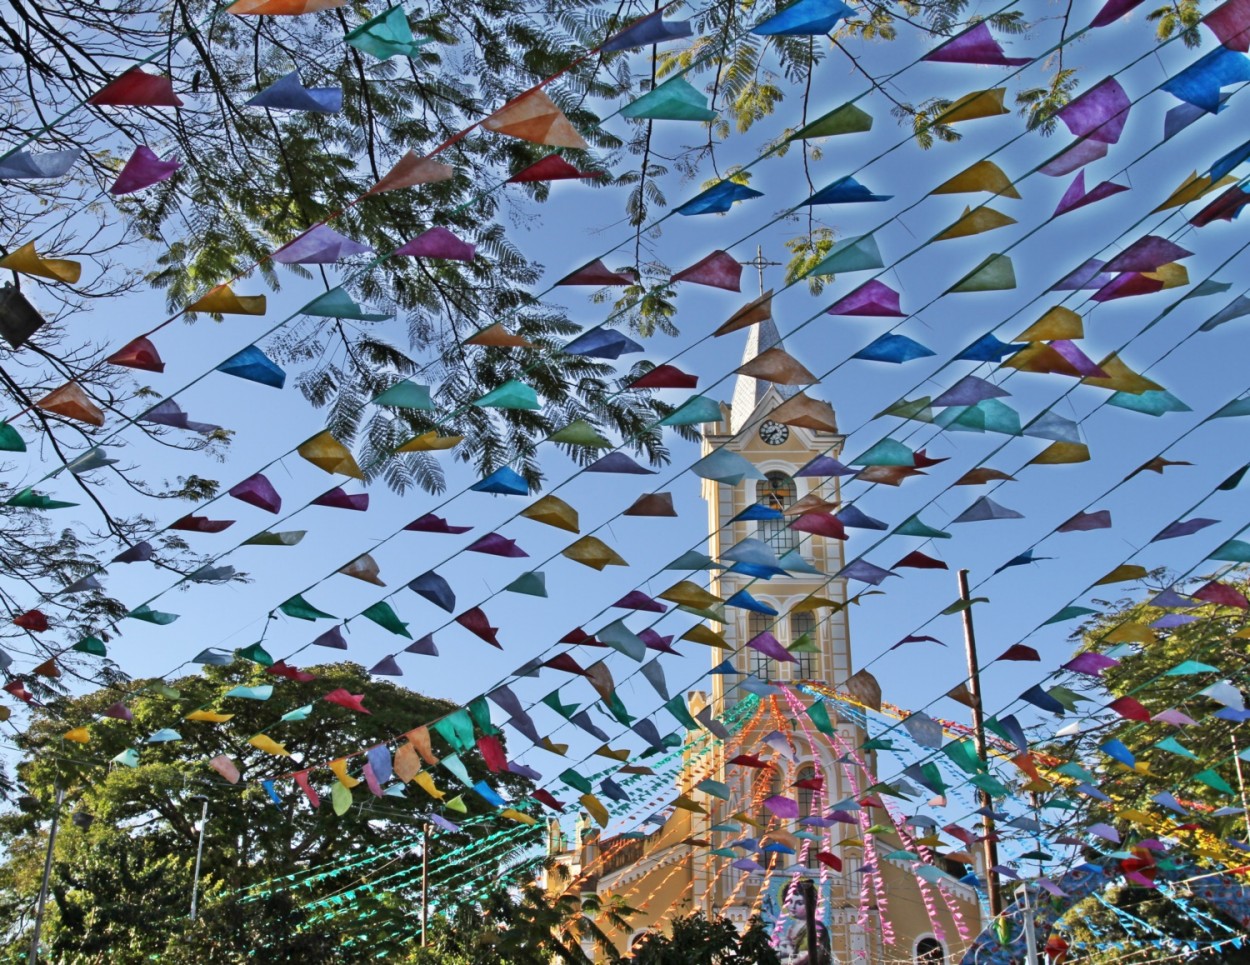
(47, 874)
(978, 728)
(1030, 933)
(1241, 784)
(199, 855)
(809, 904)
(425, 882)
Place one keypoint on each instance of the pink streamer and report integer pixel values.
(925, 891)
(800, 713)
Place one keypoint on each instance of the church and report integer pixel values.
(687, 864)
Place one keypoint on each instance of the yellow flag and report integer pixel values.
(982, 176)
(978, 104)
(339, 767)
(1173, 275)
(79, 735)
(975, 221)
(1193, 188)
(223, 301)
(1123, 573)
(26, 261)
(426, 783)
(554, 512)
(1130, 633)
(687, 593)
(209, 716)
(263, 742)
(701, 633)
(430, 442)
(1120, 378)
(326, 452)
(1061, 453)
(1055, 323)
(596, 809)
(593, 552)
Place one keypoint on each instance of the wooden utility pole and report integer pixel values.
(978, 731)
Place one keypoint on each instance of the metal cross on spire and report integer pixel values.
(760, 264)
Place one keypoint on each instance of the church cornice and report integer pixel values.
(649, 863)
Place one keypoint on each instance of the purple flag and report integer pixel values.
(1077, 197)
(1099, 114)
(1082, 522)
(768, 645)
(1077, 156)
(258, 491)
(1146, 254)
(143, 170)
(438, 243)
(872, 299)
(975, 46)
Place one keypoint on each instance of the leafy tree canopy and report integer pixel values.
(128, 836)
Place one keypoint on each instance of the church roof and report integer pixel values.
(749, 392)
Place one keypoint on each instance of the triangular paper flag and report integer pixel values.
(534, 117)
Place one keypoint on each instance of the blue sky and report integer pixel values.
(1204, 371)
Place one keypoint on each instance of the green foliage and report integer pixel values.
(525, 927)
(128, 836)
(925, 126)
(696, 939)
(1039, 105)
(1180, 18)
(1143, 675)
(1162, 932)
(806, 252)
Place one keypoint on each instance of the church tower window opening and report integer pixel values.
(759, 665)
(929, 951)
(777, 491)
(809, 806)
(808, 666)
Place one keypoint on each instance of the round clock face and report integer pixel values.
(774, 433)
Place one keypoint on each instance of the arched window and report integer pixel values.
(776, 491)
(757, 663)
(767, 784)
(808, 666)
(809, 806)
(929, 951)
(809, 801)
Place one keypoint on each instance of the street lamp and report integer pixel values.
(199, 853)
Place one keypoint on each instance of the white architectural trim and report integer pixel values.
(915, 946)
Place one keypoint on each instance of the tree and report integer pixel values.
(1211, 639)
(525, 926)
(1155, 927)
(1211, 643)
(696, 939)
(128, 835)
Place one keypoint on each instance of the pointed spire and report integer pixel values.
(749, 391)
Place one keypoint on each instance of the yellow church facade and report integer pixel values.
(685, 865)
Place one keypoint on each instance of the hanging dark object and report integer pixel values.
(18, 318)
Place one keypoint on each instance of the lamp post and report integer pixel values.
(47, 873)
(199, 855)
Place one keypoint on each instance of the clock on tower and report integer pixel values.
(774, 433)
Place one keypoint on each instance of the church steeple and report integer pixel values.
(749, 392)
